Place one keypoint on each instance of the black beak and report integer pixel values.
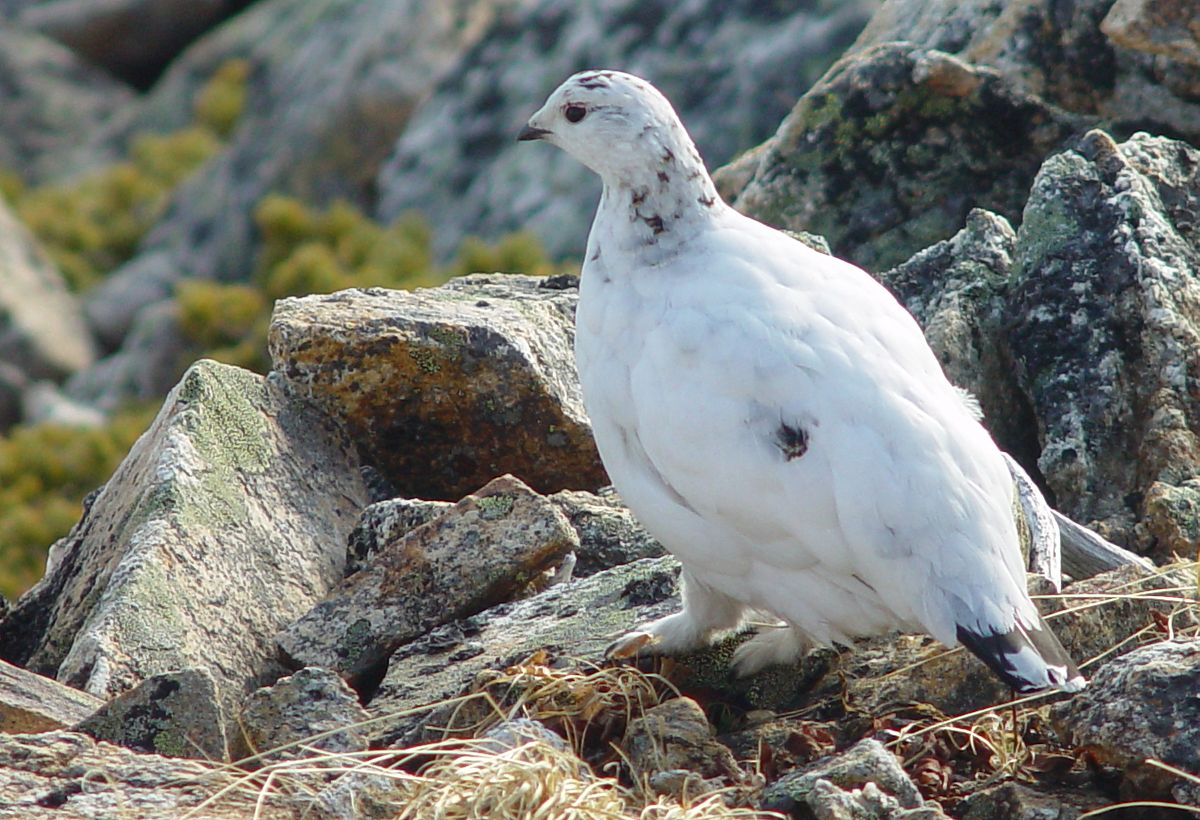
(531, 133)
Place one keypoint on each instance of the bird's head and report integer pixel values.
(617, 124)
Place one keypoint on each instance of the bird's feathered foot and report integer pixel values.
(772, 645)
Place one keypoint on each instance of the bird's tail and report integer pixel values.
(1027, 659)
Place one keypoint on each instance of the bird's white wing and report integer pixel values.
(786, 396)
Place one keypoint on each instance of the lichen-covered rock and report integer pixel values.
(386, 522)
(1142, 706)
(313, 707)
(458, 161)
(1129, 62)
(578, 619)
(42, 331)
(891, 150)
(609, 535)
(131, 39)
(176, 714)
(34, 703)
(51, 101)
(475, 555)
(443, 389)
(226, 521)
(70, 776)
(1105, 305)
(867, 762)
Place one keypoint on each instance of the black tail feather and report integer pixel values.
(1028, 660)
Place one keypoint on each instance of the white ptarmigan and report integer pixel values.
(777, 420)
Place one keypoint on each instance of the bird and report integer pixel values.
(777, 419)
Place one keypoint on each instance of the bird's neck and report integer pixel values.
(658, 205)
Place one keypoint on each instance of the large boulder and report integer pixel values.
(444, 389)
(1105, 329)
(42, 330)
(732, 70)
(891, 150)
(227, 520)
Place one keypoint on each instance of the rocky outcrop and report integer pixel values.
(227, 520)
(1105, 302)
(50, 103)
(1131, 63)
(42, 331)
(445, 389)
(131, 39)
(458, 161)
(1141, 709)
(479, 553)
(891, 150)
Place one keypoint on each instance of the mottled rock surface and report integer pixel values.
(176, 714)
(1142, 706)
(313, 707)
(226, 521)
(55, 774)
(42, 331)
(1131, 63)
(458, 160)
(33, 703)
(50, 102)
(477, 554)
(893, 147)
(578, 619)
(1105, 303)
(444, 389)
(1016, 801)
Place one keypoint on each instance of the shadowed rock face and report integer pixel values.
(444, 389)
(1105, 307)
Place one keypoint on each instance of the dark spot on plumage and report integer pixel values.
(707, 201)
(856, 577)
(598, 80)
(655, 222)
(791, 441)
(662, 176)
(595, 255)
(668, 155)
(639, 196)
(694, 174)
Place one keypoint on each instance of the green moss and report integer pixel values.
(220, 103)
(495, 506)
(45, 471)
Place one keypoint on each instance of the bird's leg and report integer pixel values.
(705, 612)
(773, 644)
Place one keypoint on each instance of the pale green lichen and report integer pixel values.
(495, 506)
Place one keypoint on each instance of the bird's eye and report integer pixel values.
(575, 113)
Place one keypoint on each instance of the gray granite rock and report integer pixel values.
(226, 521)
(867, 763)
(33, 703)
(71, 776)
(890, 151)
(445, 388)
(42, 331)
(1131, 63)
(479, 553)
(312, 708)
(1105, 307)
(1017, 801)
(578, 619)
(175, 714)
(732, 70)
(1139, 707)
(51, 101)
(675, 737)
